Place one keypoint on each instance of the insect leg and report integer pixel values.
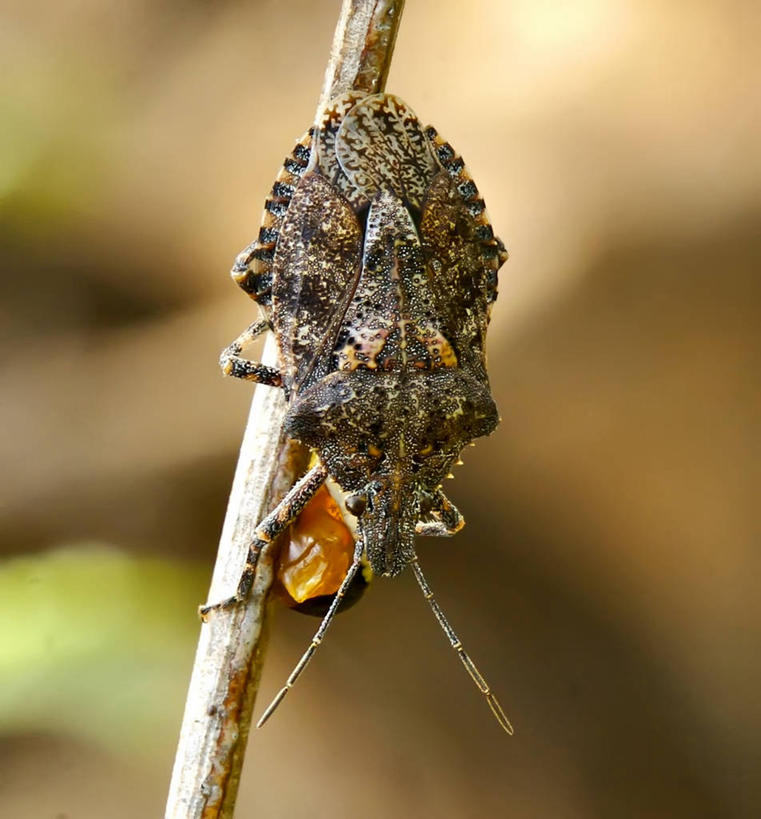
(448, 520)
(318, 637)
(454, 641)
(268, 530)
(232, 363)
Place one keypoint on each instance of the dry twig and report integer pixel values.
(230, 651)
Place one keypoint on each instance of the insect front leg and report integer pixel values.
(232, 363)
(273, 525)
(448, 520)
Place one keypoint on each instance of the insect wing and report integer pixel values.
(462, 267)
(381, 144)
(315, 272)
(327, 160)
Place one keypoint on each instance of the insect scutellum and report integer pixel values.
(376, 268)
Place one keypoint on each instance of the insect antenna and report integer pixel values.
(454, 641)
(319, 635)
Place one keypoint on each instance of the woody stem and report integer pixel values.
(231, 647)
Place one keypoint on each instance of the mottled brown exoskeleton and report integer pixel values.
(376, 268)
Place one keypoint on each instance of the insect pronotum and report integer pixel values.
(376, 268)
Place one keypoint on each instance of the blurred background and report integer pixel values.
(606, 582)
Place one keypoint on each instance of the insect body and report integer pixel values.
(376, 268)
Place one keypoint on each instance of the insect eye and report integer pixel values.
(356, 504)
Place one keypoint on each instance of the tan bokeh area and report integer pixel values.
(607, 579)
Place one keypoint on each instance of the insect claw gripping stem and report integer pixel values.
(232, 363)
(454, 641)
(275, 523)
(318, 637)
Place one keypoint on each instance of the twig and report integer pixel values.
(231, 647)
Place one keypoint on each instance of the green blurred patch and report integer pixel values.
(59, 118)
(98, 644)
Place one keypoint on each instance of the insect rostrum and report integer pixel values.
(376, 268)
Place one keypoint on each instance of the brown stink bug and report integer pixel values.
(376, 268)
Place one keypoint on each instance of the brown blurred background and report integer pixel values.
(607, 580)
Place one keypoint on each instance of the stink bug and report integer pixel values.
(376, 268)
